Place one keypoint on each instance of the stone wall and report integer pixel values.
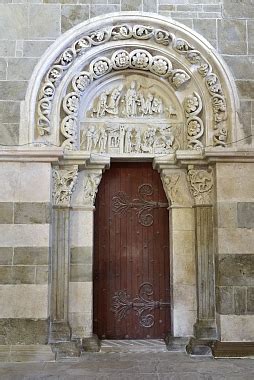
(235, 255)
(25, 219)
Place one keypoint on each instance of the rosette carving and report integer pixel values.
(195, 127)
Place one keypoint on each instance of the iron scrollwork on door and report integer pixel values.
(141, 304)
(122, 203)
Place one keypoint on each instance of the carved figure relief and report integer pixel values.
(91, 183)
(201, 184)
(64, 181)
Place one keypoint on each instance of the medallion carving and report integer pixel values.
(195, 127)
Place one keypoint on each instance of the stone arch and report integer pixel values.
(191, 62)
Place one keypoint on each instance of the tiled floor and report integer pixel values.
(132, 366)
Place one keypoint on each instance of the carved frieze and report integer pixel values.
(64, 180)
(201, 184)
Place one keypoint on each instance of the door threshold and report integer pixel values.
(137, 345)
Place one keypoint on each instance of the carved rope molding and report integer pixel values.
(64, 181)
(125, 32)
(138, 59)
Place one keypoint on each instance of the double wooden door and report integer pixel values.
(131, 256)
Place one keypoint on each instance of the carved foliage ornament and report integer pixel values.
(124, 32)
(64, 181)
(201, 184)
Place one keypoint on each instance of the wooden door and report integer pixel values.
(131, 257)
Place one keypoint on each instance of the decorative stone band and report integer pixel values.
(195, 127)
(201, 184)
(64, 180)
(139, 59)
(125, 32)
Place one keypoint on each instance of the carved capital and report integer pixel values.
(176, 187)
(64, 180)
(201, 184)
(91, 182)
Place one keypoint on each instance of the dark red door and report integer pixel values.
(131, 258)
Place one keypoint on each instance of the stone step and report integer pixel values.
(26, 353)
(140, 345)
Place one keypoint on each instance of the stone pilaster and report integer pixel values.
(201, 185)
(64, 180)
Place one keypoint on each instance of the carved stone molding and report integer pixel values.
(64, 180)
(195, 127)
(201, 185)
(90, 185)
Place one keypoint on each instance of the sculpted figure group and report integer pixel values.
(133, 103)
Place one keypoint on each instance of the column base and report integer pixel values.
(91, 344)
(176, 344)
(205, 329)
(59, 332)
(200, 347)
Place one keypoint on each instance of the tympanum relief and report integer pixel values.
(131, 116)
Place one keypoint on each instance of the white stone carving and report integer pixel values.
(120, 139)
(201, 184)
(138, 59)
(91, 183)
(176, 187)
(195, 128)
(64, 181)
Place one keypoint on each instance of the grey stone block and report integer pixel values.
(44, 20)
(148, 5)
(42, 274)
(224, 299)
(250, 300)
(236, 270)
(238, 9)
(250, 31)
(3, 68)
(20, 68)
(31, 256)
(245, 88)
(73, 15)
(81, 273)
(32, 213)
(131, 5)
(245, 214)
(189, 7)
(81, 255)
(207, 28)
(13, 21)
(6, 212)
(11, 90)
(25, 331)
(97, 10)
(245, 119)
(240, 300)
(6, 254)
(7, 48)
(17, 275)
(35, 48)
(232, 37)
(242, 66)
(9, 111)
(9, 134)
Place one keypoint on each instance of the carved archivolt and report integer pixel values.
(195, 127)
(137, 59)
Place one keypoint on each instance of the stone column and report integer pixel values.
(64, 179)
(201, 185)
